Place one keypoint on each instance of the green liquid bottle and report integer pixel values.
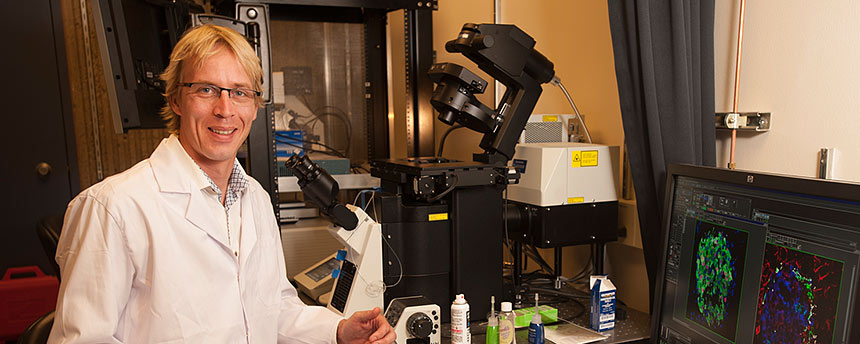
(493, 323)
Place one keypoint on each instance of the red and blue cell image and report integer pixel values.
(798, 297)
(716, 278)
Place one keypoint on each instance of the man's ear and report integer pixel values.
(174, 104)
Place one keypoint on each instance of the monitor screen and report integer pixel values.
(757, 258)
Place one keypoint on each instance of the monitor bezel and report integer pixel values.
(833, 189)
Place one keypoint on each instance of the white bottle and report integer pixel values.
(460, 321)
(507, 331)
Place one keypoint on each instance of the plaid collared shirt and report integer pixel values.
(236, 185)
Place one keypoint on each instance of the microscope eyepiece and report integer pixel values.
(303, 168)
(320, 188)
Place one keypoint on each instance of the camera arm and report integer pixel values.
(507, 54)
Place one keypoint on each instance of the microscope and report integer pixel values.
(444, 219)
(358, 282)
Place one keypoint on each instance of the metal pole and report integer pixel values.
(598, 257)
(558, 275)
(518, 263)
(737, 82)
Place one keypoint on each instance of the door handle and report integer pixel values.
(43, 169)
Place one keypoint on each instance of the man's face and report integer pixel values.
(211, 130)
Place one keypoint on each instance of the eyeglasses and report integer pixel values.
(207, 91)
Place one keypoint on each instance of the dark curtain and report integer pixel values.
(664, 64)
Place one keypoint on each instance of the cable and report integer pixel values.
(318, 118)
(375, 218)
(311, 149)
(372, 195)
(305, 99)
(445, 136)
(549, 276)
(560, 293)
(342, 115)
(556, 81)
(505, 222)
(335, 108)
(297, 146)
(384, 238)
(330, 149)
(586, 270)
(359, 194)
(575, 298)
(533, 253)
(449, 189)
(399, 264)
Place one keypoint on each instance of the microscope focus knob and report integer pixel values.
(419, 325)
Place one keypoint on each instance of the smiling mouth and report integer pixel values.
(222, 132)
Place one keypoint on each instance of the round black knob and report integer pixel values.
(419, 325)
(483, 41)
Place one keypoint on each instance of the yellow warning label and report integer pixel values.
(437, 217)
(550, 118)
(576, 159)
(589, 158)
(575, 199)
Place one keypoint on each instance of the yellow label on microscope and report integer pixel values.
(437, 217)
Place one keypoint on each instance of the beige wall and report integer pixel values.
(447, 22)
(800, 64)
(575, 36)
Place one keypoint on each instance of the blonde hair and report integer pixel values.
(196, 45)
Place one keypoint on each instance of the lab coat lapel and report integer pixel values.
(172, 167)
(201, 216)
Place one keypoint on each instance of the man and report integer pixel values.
(184, 247)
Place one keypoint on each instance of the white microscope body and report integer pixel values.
(359, 285)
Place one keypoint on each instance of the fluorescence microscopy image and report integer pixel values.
(797, 298)
(716, 278)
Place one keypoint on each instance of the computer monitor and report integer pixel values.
(752, 257)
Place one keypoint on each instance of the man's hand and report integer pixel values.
(365, 327)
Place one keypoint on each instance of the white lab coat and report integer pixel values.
(143, 260)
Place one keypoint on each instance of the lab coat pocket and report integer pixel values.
(263, 315)
(264, 280)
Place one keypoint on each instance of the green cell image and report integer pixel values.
(716, 278)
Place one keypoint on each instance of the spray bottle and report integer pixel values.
(536, 333)
(460, 321)
(493, 323)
